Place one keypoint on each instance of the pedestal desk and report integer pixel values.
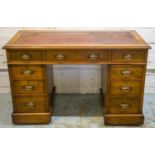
(122, 54)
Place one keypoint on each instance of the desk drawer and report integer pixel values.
(128, 56)
(25, 55)
(125, 88)
(77, 55)
(126, 105)
(127, 72)
(28, 87)
(29, 104)
(26, 72)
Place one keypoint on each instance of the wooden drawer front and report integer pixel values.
(77, 55)
(125, 88)
(26, 72)
(25, 56)
(28, 87)
(128, 56)
(128, 105)
(30, 104)
(126, 72)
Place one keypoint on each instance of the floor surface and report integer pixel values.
(74, 111)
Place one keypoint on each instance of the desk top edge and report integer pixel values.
(140, 43)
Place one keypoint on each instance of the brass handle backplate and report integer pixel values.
(27, 72)
(125, 88)
(128, 56)
(60, 57)
(124, 106)
(25, 56)
(93, 56)
(126, 72)
(28, 87)
(30, 104)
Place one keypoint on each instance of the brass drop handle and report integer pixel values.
(128, 56)
(30, 104)
(125, 88)
(93, 56)
(25, 56)
(28, 87)
(27, 72)
(126, 72)
(60, 57)
(124, 106)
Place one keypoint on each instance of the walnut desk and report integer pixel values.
(122, 54)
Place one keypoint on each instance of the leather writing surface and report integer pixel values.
(38, 39)
(76, 38)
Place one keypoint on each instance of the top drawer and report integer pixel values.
(24, 55)
(128, 56)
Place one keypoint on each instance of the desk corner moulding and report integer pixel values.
(31, 55)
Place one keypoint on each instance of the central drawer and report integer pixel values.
(76, 55)
(125, 88)
(28, 87)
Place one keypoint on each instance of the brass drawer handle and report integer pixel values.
(124, 106)
(27, 72)
(126, 89)
(93, 56)
(28, 87)
(30, 105)
(25, 56)
(128, 56)
(60, 57)
(126, 72)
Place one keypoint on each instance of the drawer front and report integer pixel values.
(127, 72)
(125, 88)
(77, 55)
(26, 72)
(25, 56)
(128, 105)
(128, 56)
(29, 104)
(28, 87)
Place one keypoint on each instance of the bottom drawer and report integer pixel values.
(31, 118)
(30, 104)
(124, 119)
(125, 105)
